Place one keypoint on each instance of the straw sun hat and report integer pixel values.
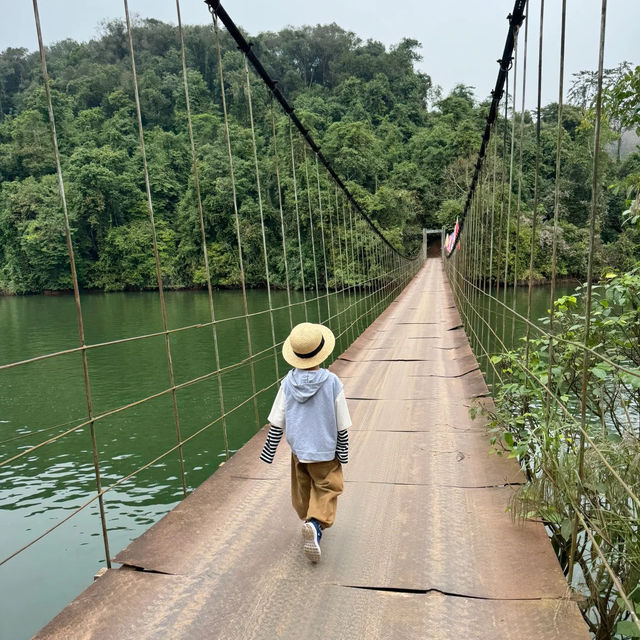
(308, 345)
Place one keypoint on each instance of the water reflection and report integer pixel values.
(38, 401)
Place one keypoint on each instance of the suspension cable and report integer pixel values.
(364, 249)
(515, 20)
(74, 279)
(216, 8)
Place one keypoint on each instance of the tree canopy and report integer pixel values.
(406, 151)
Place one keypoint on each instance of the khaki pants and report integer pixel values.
(315, 487)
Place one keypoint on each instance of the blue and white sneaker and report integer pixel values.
(311, 533)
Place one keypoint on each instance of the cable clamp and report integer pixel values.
(213, 5)
(516, 24)
(501, 62)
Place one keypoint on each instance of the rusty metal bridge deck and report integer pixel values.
(422, 547)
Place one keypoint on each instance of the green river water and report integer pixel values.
(42, 399)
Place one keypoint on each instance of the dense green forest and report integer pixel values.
(405, 150)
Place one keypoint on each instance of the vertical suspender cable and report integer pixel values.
(341, 270)
(466, 242)
(485, 214)
(284, 241)
(519, 201)
(196, 182)
(511, 152)
(503, 171)
(324, 250)
(469, 244)
(156, 256)
(481, 274)
(595, 196)
(333, 261)
(476, 274)
(494, 156)
(262, 229)
(380, 278)
(373, 275)
(297, 208)
(353, 265)
(477, 267)
(536, 188)
(361, 235)
(367, 272)
(556, 207)
(74, 278)
(375, 272)
(237, 220)
(347, 309)
(313, 242)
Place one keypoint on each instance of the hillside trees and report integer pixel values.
(404, 149)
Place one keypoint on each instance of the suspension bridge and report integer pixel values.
(432, 539)
(422, 545)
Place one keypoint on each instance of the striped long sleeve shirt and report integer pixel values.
(311, 406)
(273, 440)
(275, 435)
(342, 448)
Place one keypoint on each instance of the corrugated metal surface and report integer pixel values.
(422, 547)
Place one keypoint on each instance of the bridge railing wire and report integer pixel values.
(565, 406)
(314, 240)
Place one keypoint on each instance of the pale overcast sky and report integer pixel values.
(460, 40)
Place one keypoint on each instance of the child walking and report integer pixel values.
(311, 407)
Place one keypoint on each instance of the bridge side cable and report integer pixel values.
(515, 18)
(565, 400)
(217, 10)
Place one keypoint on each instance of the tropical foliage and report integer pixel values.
(569, 448)
(405, 151)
